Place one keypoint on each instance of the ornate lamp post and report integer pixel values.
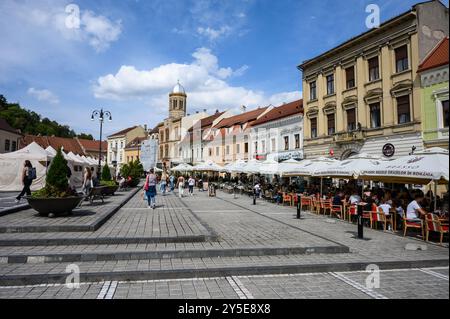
(101, 116)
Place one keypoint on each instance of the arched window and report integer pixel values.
(181, 104)
(167, 134)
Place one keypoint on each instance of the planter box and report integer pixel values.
(110, 190)
(54, 206)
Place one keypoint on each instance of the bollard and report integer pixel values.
(254, 197)
(299, 205)
(360, 222)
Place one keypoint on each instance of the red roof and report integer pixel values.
(74, 145)
(90, 145)
(436, 58)
(136, 142)
(123, 132)
(207, 121)
(241, 118)
(289, 109)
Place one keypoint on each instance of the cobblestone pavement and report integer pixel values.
(426, 283)
(254, 234)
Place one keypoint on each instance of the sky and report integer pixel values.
(65, 59)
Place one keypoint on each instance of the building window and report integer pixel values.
(217, 151)
(297, 141)
(181, 104)
(161, 136)
(121, 145)
(161, 152)
(331, 124)
(167, 134)
(180, 152)
(286, 143)
(120, 157)
(274, 146)
(128, 159)
(313, 90)
(330, 84)
(166, 151)
(313, 127)
(14, 145)
(375, 115)
(403, 109)
(350, 77)
(238, 148)
(351, 119)
(256, 147)
(445, 113)
(374, 69)
(176, 133)
(210, 151)
(228, 149)
(246, 148)
(7, 145)
(401, 58)
(263, 146)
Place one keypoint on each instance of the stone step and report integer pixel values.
(100, 254)
(134, 270)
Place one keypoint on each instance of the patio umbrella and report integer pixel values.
(208, 166)
(419, 168)
(350, 168)
(270, 167)
(182, 168)
(287, 166)
(252, 167)
(235, 167)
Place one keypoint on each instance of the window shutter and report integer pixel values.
(401, 53)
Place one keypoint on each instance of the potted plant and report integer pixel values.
(56, 198)
(110, 186)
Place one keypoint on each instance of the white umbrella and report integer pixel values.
(287, 165)
(308, 167)
(349, 168)
(252, 167)
(182, 168)
(270, 167)
(420, 168)
(209, 166)
(235, 167)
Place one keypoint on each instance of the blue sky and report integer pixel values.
(125, 56)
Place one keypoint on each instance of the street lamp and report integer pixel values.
(101, 116)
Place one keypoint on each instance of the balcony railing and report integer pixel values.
(345, 137)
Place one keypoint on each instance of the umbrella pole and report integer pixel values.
(435, 196)
(321, 187)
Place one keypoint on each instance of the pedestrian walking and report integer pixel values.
(172, 183)
(88, 183)
(180, 186)
(28, 175)
(191, 183)
(150, 188)
(163, 184)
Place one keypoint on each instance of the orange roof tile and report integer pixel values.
(123, 132)
(289, 109)
(241, 118)
(436, 58)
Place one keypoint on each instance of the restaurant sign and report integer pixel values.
(388, 150)
(297, 155)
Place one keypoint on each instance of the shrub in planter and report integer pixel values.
(106, 173)
(135, 170)
(56, 197)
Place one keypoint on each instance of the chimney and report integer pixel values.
(243, 108)
(217, 111)
(145, 127)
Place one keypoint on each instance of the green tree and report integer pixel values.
(106, 173)
(85, 136)
(57, 174)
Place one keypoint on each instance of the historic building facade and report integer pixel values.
(433, 73)
(117, 143)
(278, 134)
(364, 95)
(9, 137)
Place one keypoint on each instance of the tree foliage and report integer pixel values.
(29, 122)
(106, 173)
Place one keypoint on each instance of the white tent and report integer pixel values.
(349, 168)
(208, 166)
(420, 168)
(11, 167)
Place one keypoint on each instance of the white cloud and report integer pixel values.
(99, 30)
(214, 34)
(43, 95)
(203, 79)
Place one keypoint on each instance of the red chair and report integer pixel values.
(287, 198)
(294, 199)
(338, 210)
(326, 205)
(434, 224)
(377, 217)
(352, 211)
(306, 201)
(412, 223)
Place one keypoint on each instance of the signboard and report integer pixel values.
(297, 155)
(388, 150)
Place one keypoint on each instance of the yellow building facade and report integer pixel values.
(364, 95)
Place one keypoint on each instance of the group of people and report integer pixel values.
(152, 180)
